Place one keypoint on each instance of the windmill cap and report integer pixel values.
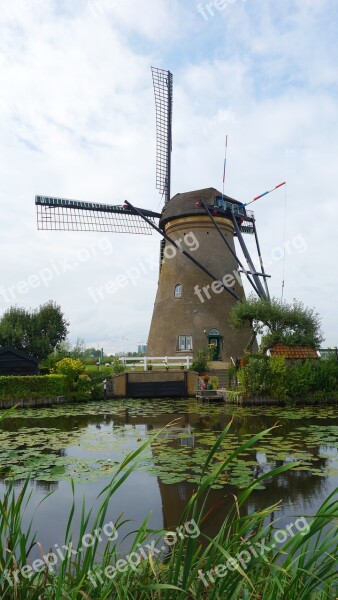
(186, 204)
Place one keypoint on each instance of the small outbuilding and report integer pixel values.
(293, 352)
(17, 362)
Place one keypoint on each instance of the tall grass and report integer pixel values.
(302, 568)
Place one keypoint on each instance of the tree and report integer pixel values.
(38, 332)
(92, 353)
(79, 348)
(14, 328)
(276, 321)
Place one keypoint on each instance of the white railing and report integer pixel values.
(156, 361)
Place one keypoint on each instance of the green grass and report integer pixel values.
(101, 369)
(303, 567)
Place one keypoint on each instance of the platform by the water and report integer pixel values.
(210, 395)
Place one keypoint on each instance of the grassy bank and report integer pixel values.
(250, 558)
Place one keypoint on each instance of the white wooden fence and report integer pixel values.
(156, 361)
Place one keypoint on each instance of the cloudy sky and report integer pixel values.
(77, 121)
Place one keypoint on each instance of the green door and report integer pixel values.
(214, 341)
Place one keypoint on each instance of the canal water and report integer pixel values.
(86, 443)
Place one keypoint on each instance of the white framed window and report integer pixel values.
(214, 332)
(185, 342)
(178, 290)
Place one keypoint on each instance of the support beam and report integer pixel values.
(261, 259)
(261, 291)
(228, 246)
(191, 258)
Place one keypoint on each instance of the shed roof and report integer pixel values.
(20, 353)
(294, 352)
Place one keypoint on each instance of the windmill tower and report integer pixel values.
(191, 308)
(200, 271)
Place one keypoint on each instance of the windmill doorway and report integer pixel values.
(215, 342)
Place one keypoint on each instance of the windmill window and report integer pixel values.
(185, 342)
(178, 291)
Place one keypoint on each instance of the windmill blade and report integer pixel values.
(60, 214)
(163, 89)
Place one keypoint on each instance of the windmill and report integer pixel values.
(200, 271)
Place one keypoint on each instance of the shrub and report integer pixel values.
(232, 375)
(78, 383)
(263, 376)
(278, 368)
(213, 353)
(96, 393)
(96, 376)
(255, 376)
(31, 387)
(117, 365)
(311, 380)
(44, 371)
(201, 361)
(214, 382)
(50, 361)
(298, 379)
(311, 377)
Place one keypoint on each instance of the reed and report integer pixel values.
(303, 567)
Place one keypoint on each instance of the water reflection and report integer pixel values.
(299, 490)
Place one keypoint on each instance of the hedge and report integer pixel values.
(31, 387)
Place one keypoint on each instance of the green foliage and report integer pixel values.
(201, 361)
(263, 376)
(212, 352)
(31, 387)
(117, 365)
(79, 349)
(97, 393)
(63, 351)
(316, 378)
(255, 376)
(38, 332)
(232, 375)
(97, 375)
(278, 370)
(77, 381)
(234, 396)
(214, 382)
(302, 380)
(291, 324)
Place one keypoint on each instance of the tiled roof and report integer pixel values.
(293, 351)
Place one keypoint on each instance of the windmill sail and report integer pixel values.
(163, 89)
(73, 215)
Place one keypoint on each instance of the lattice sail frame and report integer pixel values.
(73, 215)
(163, 89)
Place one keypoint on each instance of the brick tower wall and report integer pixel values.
(194, 314)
